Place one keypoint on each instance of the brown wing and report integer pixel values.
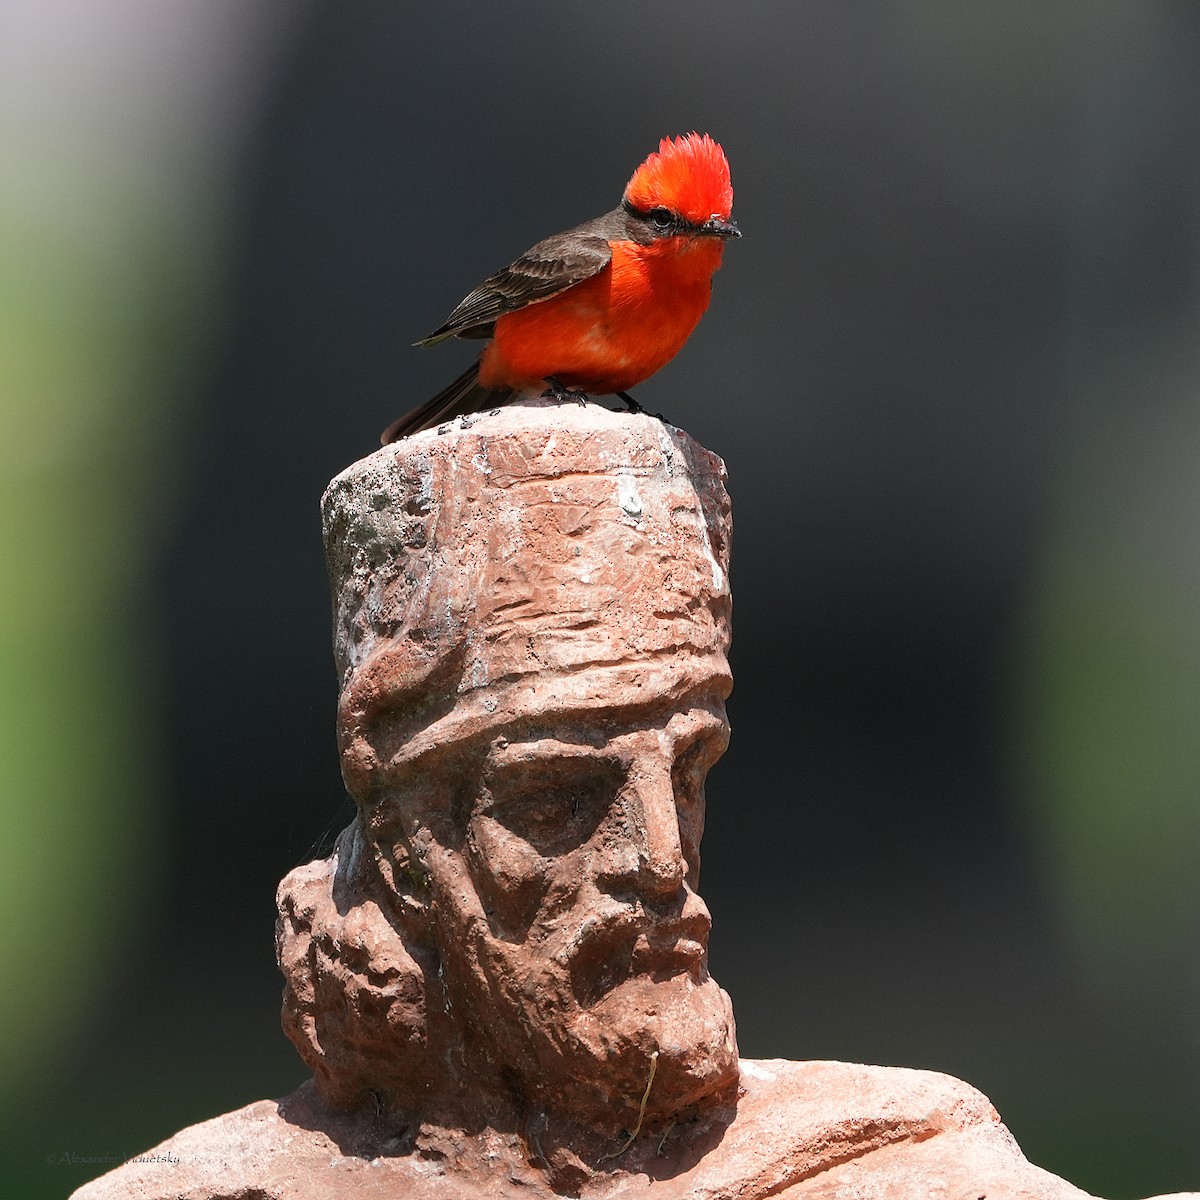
(557, 263)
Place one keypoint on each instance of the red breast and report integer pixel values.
(614, 330)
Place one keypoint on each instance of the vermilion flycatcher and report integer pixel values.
(604, 305)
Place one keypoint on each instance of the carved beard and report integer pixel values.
(582, 1039)
(688, 1021)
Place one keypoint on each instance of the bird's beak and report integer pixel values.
(716, 227)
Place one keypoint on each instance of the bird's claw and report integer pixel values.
(631, 405)
(559, 393)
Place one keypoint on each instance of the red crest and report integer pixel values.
(688, 175)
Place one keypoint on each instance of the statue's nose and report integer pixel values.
(661, 864)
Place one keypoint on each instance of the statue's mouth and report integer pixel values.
(662, 952)
(630, 942)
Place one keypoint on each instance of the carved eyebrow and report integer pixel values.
(684, 728)
(703, 733)
(696, 722)
(515, 753)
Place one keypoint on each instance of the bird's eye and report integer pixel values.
(661, 217)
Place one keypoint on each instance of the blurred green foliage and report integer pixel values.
(105, 283)
(1110, 701)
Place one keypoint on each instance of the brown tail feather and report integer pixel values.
(463, 396)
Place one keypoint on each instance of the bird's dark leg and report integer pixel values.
(558, 392)
(631, 405)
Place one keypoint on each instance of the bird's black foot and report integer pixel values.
(631, 405)
(560, 393)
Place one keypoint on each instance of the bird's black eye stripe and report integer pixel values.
(661, 220)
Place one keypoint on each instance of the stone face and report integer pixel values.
(500, 976)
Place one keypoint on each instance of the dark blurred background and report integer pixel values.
(952, 367)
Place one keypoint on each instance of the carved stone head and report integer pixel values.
(532, 619)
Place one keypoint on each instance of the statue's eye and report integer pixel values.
(555, 806)
(661, 217)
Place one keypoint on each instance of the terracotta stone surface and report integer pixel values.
(804, 1131)
(500, 976)
(531, 620)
